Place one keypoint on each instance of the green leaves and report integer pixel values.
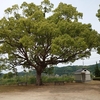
(28, 9)
(80, 43)
(62, 44)
(27, 41)
(46, 6)
(13, 11)
(98, 13)
(67, 12)
(66, 46)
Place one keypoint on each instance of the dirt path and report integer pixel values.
(73, 91)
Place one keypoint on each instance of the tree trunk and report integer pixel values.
(38, 79)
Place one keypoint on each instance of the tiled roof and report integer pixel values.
(80, 70)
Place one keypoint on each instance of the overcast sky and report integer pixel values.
(87, 7)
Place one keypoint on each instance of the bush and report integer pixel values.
(96, 78)
(66, 78)
(31, 80)
(5, 76)
(48, 79)
(44, 79)
(51, 79)
(8, 82)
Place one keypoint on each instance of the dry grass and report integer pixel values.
(70, 86)
(69, 91)
(15, 88)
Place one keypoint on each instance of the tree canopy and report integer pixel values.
(33, 40)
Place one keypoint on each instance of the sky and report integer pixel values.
(87, 7)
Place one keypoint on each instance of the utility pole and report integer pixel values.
(83, 63)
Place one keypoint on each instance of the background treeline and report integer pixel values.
(50, 75)
(66, 70)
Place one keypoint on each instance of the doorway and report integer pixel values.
(83, 77)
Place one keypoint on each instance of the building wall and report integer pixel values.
(78, 77)
(88, 78)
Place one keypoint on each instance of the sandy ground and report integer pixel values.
(69, 91)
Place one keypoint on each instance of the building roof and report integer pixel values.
(82, 70)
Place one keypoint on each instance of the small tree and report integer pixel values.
(98, 16)
(97, 71)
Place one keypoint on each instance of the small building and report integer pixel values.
(82, 75)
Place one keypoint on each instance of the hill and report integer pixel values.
(66, 70)
(69, 70)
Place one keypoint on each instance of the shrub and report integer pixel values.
(96, 78)
(51, 79)
(10, 75)
(45, 79)
(8, 82)
(5, 76)
(61, 78)
(31, 80)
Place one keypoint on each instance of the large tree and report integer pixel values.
(33, 40)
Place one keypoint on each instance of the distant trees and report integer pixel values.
(49, 70)
(8, 75)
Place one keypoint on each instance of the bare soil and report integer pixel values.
(69, 91)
